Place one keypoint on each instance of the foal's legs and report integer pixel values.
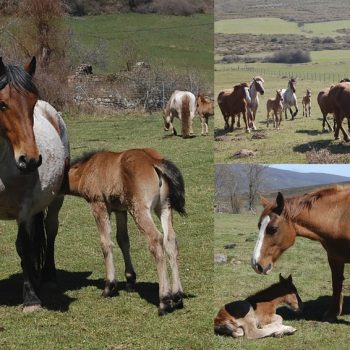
(51, 226)
(144, 221)
(124, 245)
(102, 217)
(171, 248)
(335, 309)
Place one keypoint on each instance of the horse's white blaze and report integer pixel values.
(257, 250)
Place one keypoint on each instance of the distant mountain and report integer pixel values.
(274, 179)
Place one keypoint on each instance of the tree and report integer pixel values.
(255, 177)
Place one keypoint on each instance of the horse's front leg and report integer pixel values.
(102, 217)
(51, 226)
(246, 122)
(30, 260)
(345, 134)
(335, 309)
(124, 245)
(296, 111)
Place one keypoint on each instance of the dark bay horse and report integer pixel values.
(255, 317)
(322, 216)
(233, 102)
(34, 155)
(138, 181)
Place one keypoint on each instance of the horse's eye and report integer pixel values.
(270, 230)
(3, 106)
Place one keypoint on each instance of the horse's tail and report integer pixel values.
(185, 116)
(175, 183)
(38, 242)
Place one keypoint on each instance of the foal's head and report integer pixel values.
(18, 96)
(276, 234)
(308, 92)
(292, 83)
(290, 294)
(279, 96)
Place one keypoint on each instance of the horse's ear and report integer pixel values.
(2, 67)
(280, 204)
(31, 66)
(281, 278)
(290, 279)
(264, 201)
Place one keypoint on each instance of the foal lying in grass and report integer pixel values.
(137, 181)
(255, 317)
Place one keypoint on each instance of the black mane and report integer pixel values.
(84, 157)
(18, 78)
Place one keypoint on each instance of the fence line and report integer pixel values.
(330, 77)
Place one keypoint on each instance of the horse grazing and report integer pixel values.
(275, 105)
(234, 101)
(339, 99)
(255, 88)
(34, 154)
(290, 99)
(326, 108)
(182, 104)
(205, 109)
(306, 102)
(137, 181)
(255, 317)
(322, 216)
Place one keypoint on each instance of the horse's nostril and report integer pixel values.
(259, 267)
(40, 161)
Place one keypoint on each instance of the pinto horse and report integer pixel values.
(290, 99)
(233, 102)
(322, 216)
(34, 156)
(182, 104)
(138, 181)
(255, 317)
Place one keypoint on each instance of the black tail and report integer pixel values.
(176, 185)
(38, 242)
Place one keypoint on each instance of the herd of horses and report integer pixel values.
(243, 99)
(36, 172)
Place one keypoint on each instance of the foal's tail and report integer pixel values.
(185, 116)
(176, 184)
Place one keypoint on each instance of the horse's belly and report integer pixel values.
(22, 195)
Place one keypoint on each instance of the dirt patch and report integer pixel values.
(244, 153)
(259, 136)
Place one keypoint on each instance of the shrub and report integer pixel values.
(289, 56)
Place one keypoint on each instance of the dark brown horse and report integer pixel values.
(323, 216)
(255, 317)
(138, 181)
(326, 108)
(234, 102)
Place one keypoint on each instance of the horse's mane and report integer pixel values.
(244, 85)
(84, 157)
(295, 205)
(259, 78)
(18, 78)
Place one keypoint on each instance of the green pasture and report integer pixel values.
(76, 316)
(306, 261)
(288, 144)
(271, 25)
(176, 41)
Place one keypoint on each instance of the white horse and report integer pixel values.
(182, 104)
(255, 88)
(290, 99)
(34, 158)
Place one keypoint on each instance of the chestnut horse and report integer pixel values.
(326, 108)
(255, 317)
(34, 154)
(138, 181)
(205, 109)
(322, 216)
(306, 102)
(275, 105)
(182, 104)
(233, 102)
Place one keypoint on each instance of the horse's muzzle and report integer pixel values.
(259, 269)
(27, 165)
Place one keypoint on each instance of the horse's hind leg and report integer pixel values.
(144, 221)
(124, 245)
(51, 226)
(102, 217)
(171, 248)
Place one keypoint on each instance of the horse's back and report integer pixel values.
(339, 96)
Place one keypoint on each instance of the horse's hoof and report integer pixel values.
(31, 308)
(110, 290)
(166, 305)
(178, 300)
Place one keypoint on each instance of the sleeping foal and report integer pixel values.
(137, 181)
(255, 317)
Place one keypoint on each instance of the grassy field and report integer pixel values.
(295, 138)
(307, 262)
(76, 316)
(177, 41)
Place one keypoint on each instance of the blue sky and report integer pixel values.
(335, 169)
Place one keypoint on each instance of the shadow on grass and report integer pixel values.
(314, 310)
(335, 148)
(309, 132)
